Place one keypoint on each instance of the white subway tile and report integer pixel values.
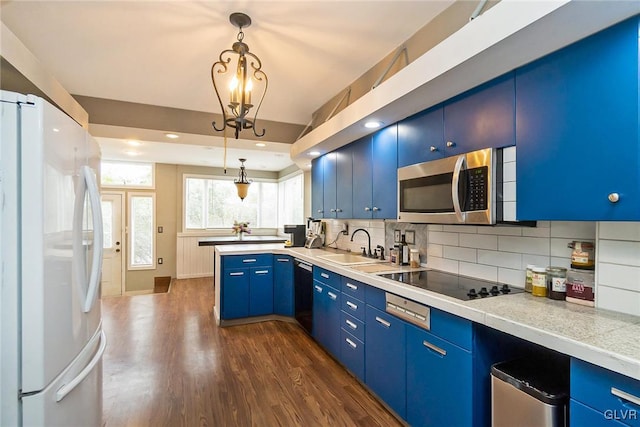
(509, 211)
(501, 230)
(524, 245)
(435, 250)
(543, 224)
(509, 192)
(479, 241)
(500, 259)
(485, 272)
(536, 231)
(443, 238)
(619, 230)
(435, 227)
(619, 252)
(377, 223)
(540, 261)
(509, 172)
(574, 230)
(511, 277)
(618, 300)
(443, 264)
(460, 228)
(619, 276)
(559, 247)
(461, 254)
(560, 262)
(509, 154)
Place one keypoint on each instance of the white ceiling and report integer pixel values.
(160, 52)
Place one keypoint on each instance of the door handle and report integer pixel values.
(383, 322)
(455, 195)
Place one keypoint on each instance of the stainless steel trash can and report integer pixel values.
(530, 392)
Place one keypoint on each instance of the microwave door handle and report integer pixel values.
(454, 188)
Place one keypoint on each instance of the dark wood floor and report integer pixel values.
(168, 364)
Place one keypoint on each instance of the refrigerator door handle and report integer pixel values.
(96, 264)
(68, 388)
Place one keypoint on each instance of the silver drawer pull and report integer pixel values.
(318, 288)
(332, 295)
(352, 286)
(236, 274)
(352, 306)
(249, 260)
(435, 348)
(625, 396)
(383, 322)
(282, 259)
(351, 343)
(351, 324)
(325, 275)
(262, 271)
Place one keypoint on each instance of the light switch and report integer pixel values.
(160, 229)
(160, 260)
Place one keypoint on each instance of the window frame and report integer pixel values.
(132, 187)
(153, 265)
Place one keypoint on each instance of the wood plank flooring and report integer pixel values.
(168, 364)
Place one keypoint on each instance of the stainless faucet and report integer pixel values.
(370, 255)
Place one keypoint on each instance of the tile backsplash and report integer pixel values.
(334, 239)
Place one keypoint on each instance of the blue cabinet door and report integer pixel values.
(385, 363)
(439, 381)
(319, 313)
(261, 291)
(332, 342)
(421, 137)
(329, 168)
(582, 415)
(577, 130)
(362, 183)
(352, 354)
(385, 173)
(483, 117)
(283, 285)
(344, 178)
(235, 293)
(317, 192)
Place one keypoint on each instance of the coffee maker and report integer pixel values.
(315, 235)
(297, 233)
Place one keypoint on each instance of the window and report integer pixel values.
(141, 231)
(126, 174)
(214, 203)
(291, 200)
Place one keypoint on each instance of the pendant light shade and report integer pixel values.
(242, 183)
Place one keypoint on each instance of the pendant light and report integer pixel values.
(242, 184)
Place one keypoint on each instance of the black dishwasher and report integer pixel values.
(303, 288)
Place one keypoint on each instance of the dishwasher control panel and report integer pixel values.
(412, 312)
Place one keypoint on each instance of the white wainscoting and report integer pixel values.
(193, 260)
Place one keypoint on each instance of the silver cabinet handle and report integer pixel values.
(318, 288)
(434, 348)
(282, 259)
(451, 144)
(332, 210)
(367, 208)
(249, 260)
(375, 209)
(237, 274)
(352, 306)
(625, 396)
(325, 275)
(338, 210)
(262, 271)
(383, 322)
(351, 343)
(614, 197)
(319, 210)
(352, 286)
(351, 324)
(332, 295)
(433, 149)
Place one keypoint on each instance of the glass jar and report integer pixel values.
(539, 282)
(556, 282)
(528, 278)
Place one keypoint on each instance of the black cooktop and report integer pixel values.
(461, 287)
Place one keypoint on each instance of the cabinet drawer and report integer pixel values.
(353, 288)
(581, 415)
(352, 354)
(375, 297)
(353, 306)
(610, 393)
(241, 261)
(327, 277)
(352, 325)
(452, 328)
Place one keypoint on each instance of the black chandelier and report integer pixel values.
(248, 72)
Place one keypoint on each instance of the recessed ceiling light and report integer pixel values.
(314, 153)
(260, 144)
(171, 135)
(56, 130)
(134, 143)
(131, 153)
(372, 124)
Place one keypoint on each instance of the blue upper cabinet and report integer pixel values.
(344, 176)
(483, 117)
(329, 187)
(362, 184)
(421, 137)
(317, 192)
(385, 173)
(577, 130)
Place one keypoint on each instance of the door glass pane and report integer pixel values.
(107, 218)
(141, 230)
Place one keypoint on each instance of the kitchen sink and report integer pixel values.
(348, 259)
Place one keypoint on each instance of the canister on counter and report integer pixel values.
(528, 278)
(580, 287)
(556, 282)
(539, 282)
(415, 258)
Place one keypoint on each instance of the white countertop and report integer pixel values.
(604, 338)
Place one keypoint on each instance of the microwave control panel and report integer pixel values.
(476, 183)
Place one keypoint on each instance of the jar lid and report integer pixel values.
(538, 269)
(530, 266)
(553, 269)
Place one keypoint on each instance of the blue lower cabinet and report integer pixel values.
(261, 291)
(352, 354)
(439, 381)
(385, 362)
(581, 415)
(326, 317)
(235, 293)
(283, 285)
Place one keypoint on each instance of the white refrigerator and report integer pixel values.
(52, 341)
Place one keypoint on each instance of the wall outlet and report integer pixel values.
(345, 229)
(160, 229)
(160, 260)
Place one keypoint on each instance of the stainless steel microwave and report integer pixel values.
(452, 190)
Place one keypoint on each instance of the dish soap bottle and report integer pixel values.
(404, 250)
